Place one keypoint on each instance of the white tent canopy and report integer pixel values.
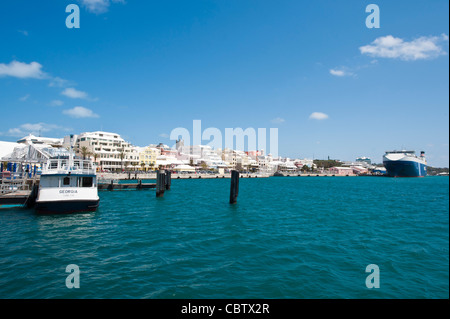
(185, 168)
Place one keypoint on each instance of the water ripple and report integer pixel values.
(285, 238)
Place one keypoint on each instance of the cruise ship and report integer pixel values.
(405, 164)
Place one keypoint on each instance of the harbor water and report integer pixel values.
(287, 237)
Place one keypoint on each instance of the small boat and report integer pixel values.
(68, 184)
(279, 174)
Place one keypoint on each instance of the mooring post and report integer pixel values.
(168, 179)
(160, 183)
(111, 185)
(234, 190)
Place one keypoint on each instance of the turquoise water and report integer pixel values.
(287, 237)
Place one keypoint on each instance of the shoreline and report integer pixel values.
(151, 176)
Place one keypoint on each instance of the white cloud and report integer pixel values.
(22, 70)
(56, 103)
(98, 6)
(74, 94)
(30, 70)
(340, 73)
(277, 120)
(318, 116)
(337, 72)
(80, 112)
(164, 135)
(396, 48)
(35, 129)
(24, 98)
(57, 82)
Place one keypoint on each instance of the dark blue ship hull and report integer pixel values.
(405, 169)
(65, 207)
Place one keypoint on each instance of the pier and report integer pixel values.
(115, 185)
(18, 188)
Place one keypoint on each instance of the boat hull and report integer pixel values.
(66, 206)
(405, 169)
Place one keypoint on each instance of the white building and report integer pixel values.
(108, 150)
(198, 154)
(31, 139)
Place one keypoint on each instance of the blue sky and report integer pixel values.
(143, 68)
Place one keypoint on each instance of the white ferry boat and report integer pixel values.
(67, 185)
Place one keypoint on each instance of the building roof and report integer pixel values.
(31, 139)
(7, 148)
(344, 168)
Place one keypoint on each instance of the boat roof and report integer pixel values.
(400, 152)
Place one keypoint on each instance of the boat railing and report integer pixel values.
(64, 166)
(11, 182)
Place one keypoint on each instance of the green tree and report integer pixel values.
(122, 156)
(85, 152)
(95, 156)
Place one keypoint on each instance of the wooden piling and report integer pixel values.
(234, 190)
(160, 183)
(168, 179)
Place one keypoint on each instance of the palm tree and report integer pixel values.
(143, 165)
(122, 156)
(85, 152)
(95, 156)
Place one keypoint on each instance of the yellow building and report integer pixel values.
(147, 158)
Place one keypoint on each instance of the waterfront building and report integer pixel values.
(360, 170)
(108, 150)
(167, 162)
(148, 156)
(201, 155)
(341, 170)
(32, 149)
(254, 154)
(364, 160)
(304, 162)
(235, 159)
(6, 148)
(38, 140)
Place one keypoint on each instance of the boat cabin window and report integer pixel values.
(53, 165)
(86, 182)
(66, 181)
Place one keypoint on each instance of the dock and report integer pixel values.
(18, 189)
(15, 198)
(115, 185)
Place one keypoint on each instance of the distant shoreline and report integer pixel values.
(102, 177)
(144, 176)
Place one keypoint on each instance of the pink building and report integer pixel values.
(254, 154)
(341, 170)
(359, 170)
